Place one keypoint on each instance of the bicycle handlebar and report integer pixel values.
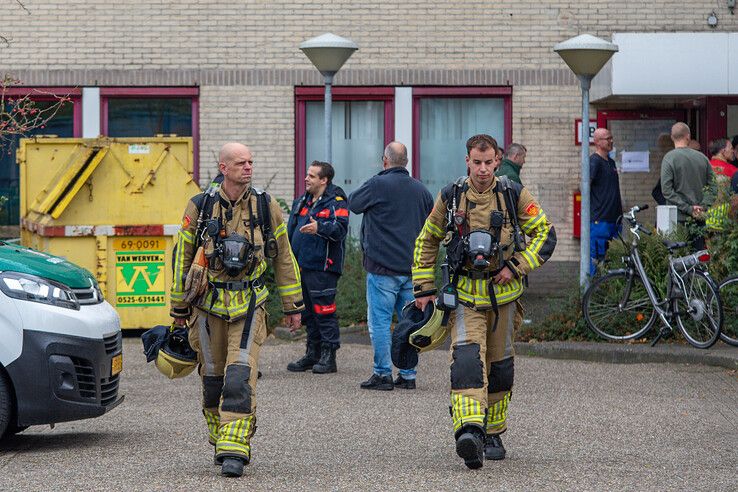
(630, 217)
(639, 208)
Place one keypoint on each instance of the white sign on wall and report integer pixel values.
(634, 162)
(578, 131)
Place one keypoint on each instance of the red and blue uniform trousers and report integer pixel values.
(319, 316)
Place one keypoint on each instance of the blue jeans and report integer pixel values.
(385, 294)
(600, 234)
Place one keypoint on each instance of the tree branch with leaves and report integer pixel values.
(21, 113)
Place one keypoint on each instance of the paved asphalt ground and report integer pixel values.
(574, 425)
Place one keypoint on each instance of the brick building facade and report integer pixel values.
(244, 72)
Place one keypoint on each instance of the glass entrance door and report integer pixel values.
(643, 138)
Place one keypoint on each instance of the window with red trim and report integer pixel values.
(66, 122)
(445, 117)
(151, 111)
(362, 124)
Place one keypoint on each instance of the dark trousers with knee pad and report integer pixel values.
(228, 353)
(482, 366)
(319, 316)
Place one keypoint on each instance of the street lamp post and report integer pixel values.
(585, 55)
(328, 53)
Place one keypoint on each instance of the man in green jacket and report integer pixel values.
(684, 174)
(513, 162)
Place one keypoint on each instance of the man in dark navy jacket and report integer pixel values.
(605, 201)
(317, 230)
(395, 207)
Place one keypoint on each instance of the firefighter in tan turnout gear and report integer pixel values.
(488, 260)
(219, 263)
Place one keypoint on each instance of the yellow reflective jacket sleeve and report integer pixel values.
(184, 252)
(535, 224)
(426, 249)
(286, 271)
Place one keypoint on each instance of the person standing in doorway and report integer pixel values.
(721, 156)
(605, 200)
(684, 174)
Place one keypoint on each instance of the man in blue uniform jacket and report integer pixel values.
(317, 230)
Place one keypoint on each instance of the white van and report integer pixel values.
(60, 342)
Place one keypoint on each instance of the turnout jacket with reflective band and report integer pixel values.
(322, 251)
(478, 208)
(233, 304)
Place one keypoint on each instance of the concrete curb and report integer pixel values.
(284, 333)
(720, 355)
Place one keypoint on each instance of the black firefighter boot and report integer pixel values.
(493, 448)
(232, 467)
(312, 354)
(470, 445)
(327, 362)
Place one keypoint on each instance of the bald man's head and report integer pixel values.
(235, 163)
(229, 150)
(396, 154)
(602, 141)
(680, 133)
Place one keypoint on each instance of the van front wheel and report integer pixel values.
(6, 404)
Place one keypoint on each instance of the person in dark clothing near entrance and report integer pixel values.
(605, 201)
(317, 230)
(513, 162)
(395, 207)
(684, 175)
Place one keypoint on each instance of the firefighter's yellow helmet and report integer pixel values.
(431, 334)
(417, 331)
(176, 359)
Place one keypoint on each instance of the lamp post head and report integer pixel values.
(328, 52)
(585, 54)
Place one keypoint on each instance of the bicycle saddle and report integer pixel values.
(673, 245)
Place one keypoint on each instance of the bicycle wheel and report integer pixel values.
(729, 297)
(699, 312)
(617, 307)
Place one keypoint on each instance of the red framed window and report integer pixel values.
(445, 117)
(363, 124)
(66, 122)
(151, 111)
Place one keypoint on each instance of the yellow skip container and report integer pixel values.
(111, 205)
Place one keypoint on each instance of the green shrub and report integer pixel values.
(565, 320)
(351, 296)
(654, 255)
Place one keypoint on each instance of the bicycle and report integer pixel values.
(729, 296)
(624, 304)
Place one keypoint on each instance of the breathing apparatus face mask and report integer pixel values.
(236, 253)
(481, 247)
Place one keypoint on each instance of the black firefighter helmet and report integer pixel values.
(417, 332)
